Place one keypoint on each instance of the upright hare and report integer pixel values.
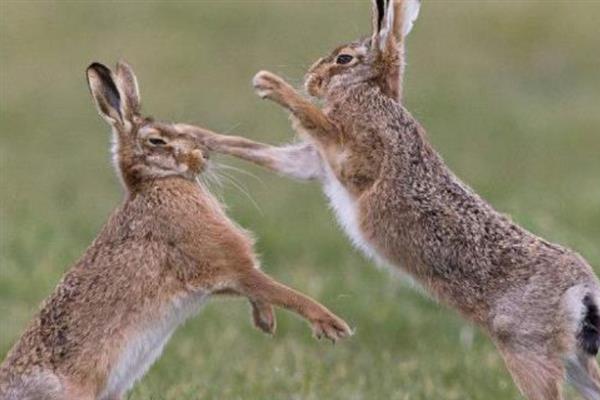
(164, 251)
(399, 203)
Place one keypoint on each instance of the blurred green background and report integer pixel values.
(508, 90)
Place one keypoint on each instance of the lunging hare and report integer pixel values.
(164, 251)
(399, 203)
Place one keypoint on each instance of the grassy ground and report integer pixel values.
(507, 90)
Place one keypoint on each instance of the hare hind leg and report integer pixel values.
(538, 376)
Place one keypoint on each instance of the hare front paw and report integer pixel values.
(268, 85)
(331, 327)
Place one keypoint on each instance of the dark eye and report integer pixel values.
(157, 141)
(344, 59)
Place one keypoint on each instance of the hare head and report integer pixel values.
(376, 59)
(144, 149)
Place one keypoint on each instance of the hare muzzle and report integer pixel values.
(196, 161)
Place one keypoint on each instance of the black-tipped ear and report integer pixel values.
(105, 92)
(128, 86)
(377, 12)
(383, 20)
(381, 7)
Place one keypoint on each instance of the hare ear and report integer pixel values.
(128, 87)
(377, 13)
(407, 12)
(105, 93)
(386, 36)
(396, 22)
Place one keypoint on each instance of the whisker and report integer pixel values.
(242, 171)
(240, 187)
(216, 178)
(208, 181)
(212, 174)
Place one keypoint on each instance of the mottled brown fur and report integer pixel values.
(167, 245)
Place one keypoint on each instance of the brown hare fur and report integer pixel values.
(164, 251)
(400, 204)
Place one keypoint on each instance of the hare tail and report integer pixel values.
(582, 368)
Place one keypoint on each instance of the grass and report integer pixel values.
(507, 90)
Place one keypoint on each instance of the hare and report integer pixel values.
(161, 254)
(400, 204)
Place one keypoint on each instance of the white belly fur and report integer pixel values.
(145, 345)
(346, 211)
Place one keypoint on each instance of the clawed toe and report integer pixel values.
(266, 83)
(333, 329)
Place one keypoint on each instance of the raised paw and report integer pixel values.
(263, 316)
(330, 327)
(268, 85)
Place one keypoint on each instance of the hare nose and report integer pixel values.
(199, 154)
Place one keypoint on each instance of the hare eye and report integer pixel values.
(157, 141)
(343, 59)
